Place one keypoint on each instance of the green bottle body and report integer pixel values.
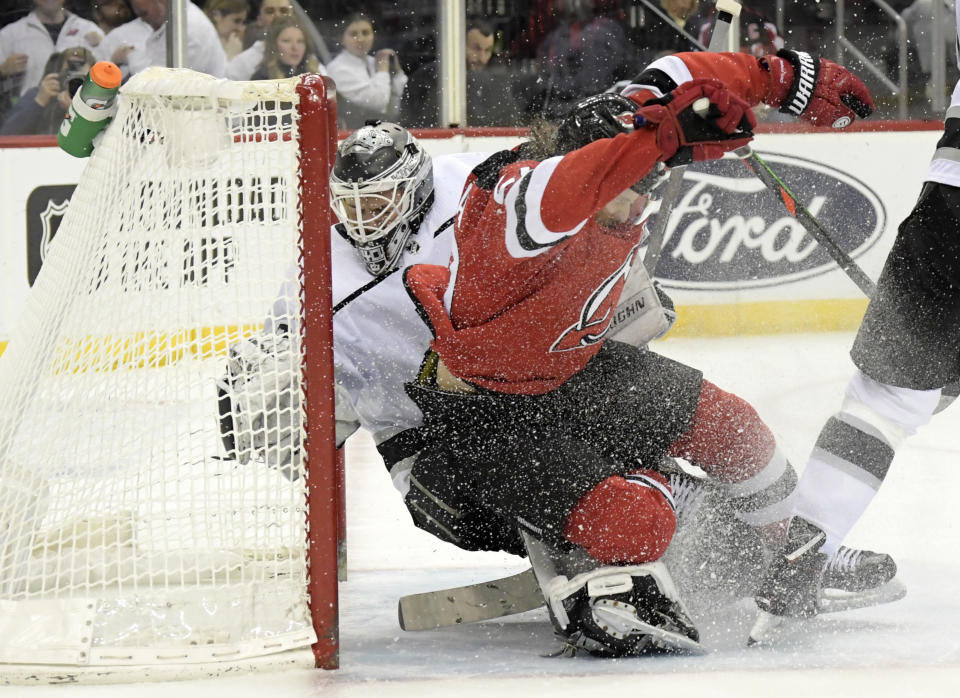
(91, 109)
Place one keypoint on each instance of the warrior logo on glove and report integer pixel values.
(815, 89)
(803, 85)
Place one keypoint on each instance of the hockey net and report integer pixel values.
(128, 536)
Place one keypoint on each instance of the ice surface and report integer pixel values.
(909, 648)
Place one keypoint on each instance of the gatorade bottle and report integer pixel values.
(91, 109)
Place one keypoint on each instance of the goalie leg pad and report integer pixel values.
(611, 610)
(624, 611)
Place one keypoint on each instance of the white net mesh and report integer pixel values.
(127, 533)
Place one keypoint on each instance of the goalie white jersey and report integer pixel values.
(379, 339)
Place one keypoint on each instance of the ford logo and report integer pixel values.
(728, 231)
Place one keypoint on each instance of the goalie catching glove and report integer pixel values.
(815, 90)
(259, 403)
(688, 130)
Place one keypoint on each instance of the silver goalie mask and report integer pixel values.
(381, 187)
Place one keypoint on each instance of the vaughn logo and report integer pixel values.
(729, 231)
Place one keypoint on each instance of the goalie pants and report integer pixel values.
(910, 335)
(573, 466)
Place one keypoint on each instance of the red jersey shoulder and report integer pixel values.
(509, 177)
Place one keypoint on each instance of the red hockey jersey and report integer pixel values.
(528, 297)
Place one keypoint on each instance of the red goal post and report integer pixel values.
(317, 150)
(134, 542)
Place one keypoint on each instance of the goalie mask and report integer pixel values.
(380, 188)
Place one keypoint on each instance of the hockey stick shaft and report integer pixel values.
(824, 237)
(727, 10)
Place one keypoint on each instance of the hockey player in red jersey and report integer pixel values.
(562, 429)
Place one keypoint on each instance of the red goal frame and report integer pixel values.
(317, 148)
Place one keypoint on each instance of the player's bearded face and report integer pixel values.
(625, 208)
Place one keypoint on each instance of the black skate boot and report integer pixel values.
(791, 586)
(623, 612)
(858, 570)
(859, 578)
(610, 610)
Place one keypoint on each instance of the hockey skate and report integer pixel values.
(791, 587)
(715, 559)
(621, 612)
(611, 610)
(731, 552)
(859, 578)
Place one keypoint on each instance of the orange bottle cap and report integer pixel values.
(106, 74)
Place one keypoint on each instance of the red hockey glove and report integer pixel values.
(721, 123)
(815, 89)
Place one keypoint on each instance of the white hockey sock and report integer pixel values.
(854, 451)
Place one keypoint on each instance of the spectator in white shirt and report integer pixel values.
(229, 17)
(368, 87)
(25, 45)
(244, 64)
(203, 50)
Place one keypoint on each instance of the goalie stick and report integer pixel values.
(520, 592)
(471, 603)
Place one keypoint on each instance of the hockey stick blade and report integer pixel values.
(471, 603)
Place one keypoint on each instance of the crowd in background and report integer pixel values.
(524, 58)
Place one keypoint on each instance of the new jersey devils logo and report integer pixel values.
(595, 316)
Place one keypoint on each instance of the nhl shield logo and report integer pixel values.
(46, 207)
(49, 223)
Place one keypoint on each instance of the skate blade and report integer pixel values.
(664, 639)
(836, 600)
(763, 628)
